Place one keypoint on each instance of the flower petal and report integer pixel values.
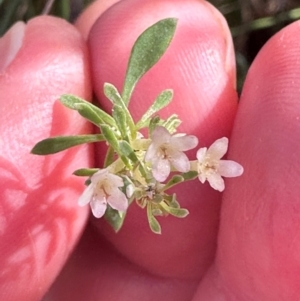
(115, 180)
(218, 149)
(86, 196)
(98, 207)
(216, 181)
(202, 178)
(161, 169)
(160, 135)
(99, 175)
(230, 169)
(151, 153)
(179, 160)
(184, 143)
(118, 201)
(201, 154)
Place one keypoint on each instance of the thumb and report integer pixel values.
(39, 218)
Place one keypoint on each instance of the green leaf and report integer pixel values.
(70, 101)
(190, 175)
(60, 143)
(120, 118)
(171, 200)
(147, 50)
(154, 121)
(172, 123)
(113, 141)
(112, 94)
(153, 223)
(176, 179)
(157, 199)
(157, 212)
(85, 108)
(178, 212)
(110, 137)
(114, 218)
(88, 113)
(127, 151)
(162, 100)
(109, 157)
(85, 172)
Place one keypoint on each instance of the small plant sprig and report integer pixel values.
(139, 168)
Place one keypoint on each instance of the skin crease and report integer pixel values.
(257, 247)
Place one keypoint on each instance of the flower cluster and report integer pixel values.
(165, 154)
(141, 169)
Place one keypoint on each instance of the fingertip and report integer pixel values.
(229, 52)
(199, 64)
(40, 220)
(87, 19)
(196, 66)
(260, 213)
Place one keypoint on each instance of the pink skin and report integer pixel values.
(40, 222)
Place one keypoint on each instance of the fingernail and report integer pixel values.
(229, 62)
(11, 43)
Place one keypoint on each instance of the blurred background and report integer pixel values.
(252, 22)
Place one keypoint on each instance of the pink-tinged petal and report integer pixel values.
(86, 196)
(202, 178)
(218, 149)
(230, 169)
(160, 135)
(216, 182)
(99, 175)
(179, 160)
(108, 187)
(115, 180)
(161, 169)
(184, 143)
(98, 207)
(151, 153)
(118, 201)
(201, 154)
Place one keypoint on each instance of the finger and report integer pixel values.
(95, 271)
(87, 19)
(258, 256)
(199, 66)
(39, 218)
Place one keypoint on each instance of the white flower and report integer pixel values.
(166, 149)
(103, 190)
(211, 168)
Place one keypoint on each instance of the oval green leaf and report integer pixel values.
(57, 144)
(153, 223)
(87, 109)
(146, 51)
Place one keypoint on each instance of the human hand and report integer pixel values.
(250, 255)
